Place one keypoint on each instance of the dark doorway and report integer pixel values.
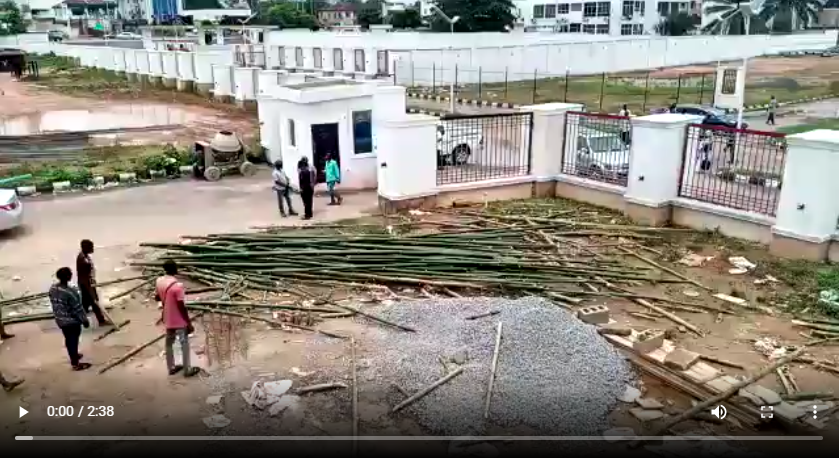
(324, 142)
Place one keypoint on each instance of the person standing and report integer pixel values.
(9, 385)
(86, 273)
(306, 183)
(69, 315)
(283, 188)
(174, 316)
(625, 124)
(333, 173)
(771, 110)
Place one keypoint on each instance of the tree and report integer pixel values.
(793, 13)
(406, 19)
(475, 15)
(729, 19)
(677, 25)
(369, 13)
(288, 16)
(11, 21)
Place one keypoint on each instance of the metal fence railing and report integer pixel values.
(483, 147)
(735, 168)
(597, 147)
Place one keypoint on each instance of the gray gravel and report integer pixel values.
(556, 375)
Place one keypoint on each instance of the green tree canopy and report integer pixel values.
(406, 19)
(729, 19)
(286, 15)
(370, 13)
(475, 15)
(11, 21)
(790, 15)
(677, 25)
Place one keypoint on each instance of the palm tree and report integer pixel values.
(728, 17)
(800, 12)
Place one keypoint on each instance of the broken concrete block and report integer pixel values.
(721, 384)
(681, 359)
(767, 395)
(619, 434)
(596, 314)
(630, 395)
(646, 415)
(649, 403)
(701, 373)
(648, 340)
(615, 330)
(216, 421)
(215, 400)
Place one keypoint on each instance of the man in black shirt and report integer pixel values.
(306, 183)
(86, 279)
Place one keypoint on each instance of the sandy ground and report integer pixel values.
(762, 67)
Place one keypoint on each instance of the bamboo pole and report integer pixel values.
(425, 391)
(493, 366)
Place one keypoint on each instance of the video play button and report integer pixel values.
(23, 411)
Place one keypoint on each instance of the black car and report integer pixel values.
(711, 116)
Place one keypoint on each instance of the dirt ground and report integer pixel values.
(817, 66)
(29, 102)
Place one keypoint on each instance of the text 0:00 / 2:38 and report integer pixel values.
(88, 411)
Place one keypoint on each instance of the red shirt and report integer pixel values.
(171, 291)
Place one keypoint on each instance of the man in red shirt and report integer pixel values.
(170, 292)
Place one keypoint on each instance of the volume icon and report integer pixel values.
(719, 412)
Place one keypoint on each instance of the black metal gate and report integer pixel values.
(483, 147)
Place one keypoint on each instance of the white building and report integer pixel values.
(614, 17)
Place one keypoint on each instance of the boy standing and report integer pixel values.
(283, 188)
(333, 174)
(771, 110)
(170, 292)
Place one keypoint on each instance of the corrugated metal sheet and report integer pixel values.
(164, 9)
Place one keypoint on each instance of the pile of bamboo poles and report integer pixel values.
(538, 251)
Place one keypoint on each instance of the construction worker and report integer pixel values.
(70, 315)
(333, 175)
(174, 316)
(306, 184)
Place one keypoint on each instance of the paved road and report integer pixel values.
(795, 114)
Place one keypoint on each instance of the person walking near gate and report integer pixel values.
(86, 279)
(333, 174)
(771, 110)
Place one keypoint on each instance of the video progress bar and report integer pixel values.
(413, 438)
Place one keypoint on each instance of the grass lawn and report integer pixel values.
(818, 124)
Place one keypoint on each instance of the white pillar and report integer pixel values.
(142, 57)
(119, 56)
(371, 63)
(203, 73)
(388, 103)
(245, 83)
(807, 215)
(269, 118)
(186, 68)
(223, 82)
(155, 64)
(547, 138)
(169, 67)
(656, 152)
(407, 165)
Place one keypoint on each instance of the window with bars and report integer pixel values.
(664, 8)
(563, 8)
(539, 11)
(550, 11)
(574, 28)
(589, 28)
(626, 29)
(590, 9)
(603, 9)
(563, 28)
(602, 29)
(638, 29)
(338, 59)
(730, 79)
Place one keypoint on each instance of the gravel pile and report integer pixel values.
(555, 375)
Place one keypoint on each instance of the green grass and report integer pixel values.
(608, 94)
(831, 124)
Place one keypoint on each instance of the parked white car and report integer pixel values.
(127, 36)
(456, 147)
(602, 155)
(11, 210)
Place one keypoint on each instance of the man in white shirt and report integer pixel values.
(283, 188)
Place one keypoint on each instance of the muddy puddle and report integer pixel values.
(121, 116)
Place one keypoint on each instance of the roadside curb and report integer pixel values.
(473, 102)
(425, 112)
(100, 182)
(764, 106)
